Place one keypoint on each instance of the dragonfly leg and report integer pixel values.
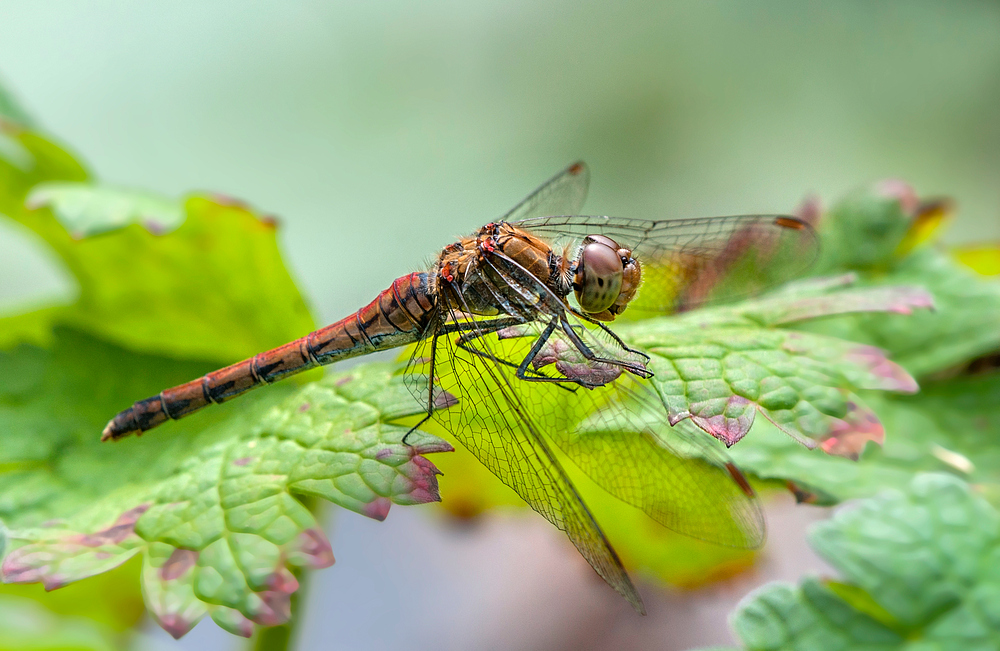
(423, 420)
(430, 389)
(585, 350)
(485, 329)
(535, 348)
(621, 343)
(611, 333)
(474, 332)
(464, 342)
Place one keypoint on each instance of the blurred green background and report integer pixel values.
(379, 131)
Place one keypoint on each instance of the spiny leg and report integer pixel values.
(576, 313)
(451, 328)
(430, 389)
(485, 328)
(611, 333)
(472, 333)
(530, 357)
(621, 343)
(585, 350)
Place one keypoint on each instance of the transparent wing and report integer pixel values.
(615, 428)
(487, 410)
(563, 194)
(618, 435)
(615, 431)
(689, 262)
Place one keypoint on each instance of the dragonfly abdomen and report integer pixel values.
(398, 316)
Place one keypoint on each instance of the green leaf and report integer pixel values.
(211, 504)
(27, 159)
(962, 326)
(881, 233)
(214, 509)
(720, 366)
(705, 351)
(920, 571)
(864, 230)
(810, 616)
(949, 426)
(214, 288)
(85, 209)
(925, 555)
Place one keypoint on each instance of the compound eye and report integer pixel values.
(599, 278)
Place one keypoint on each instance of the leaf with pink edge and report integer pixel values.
(717, 368)
(216, 518)
(183, 278)
(218, 490)
(949, 426)
(85, 209)
(962, 326)
(212, 505)
(720, 366)
(878, 233)
(896, 299)
(919, 568)
(820, 390)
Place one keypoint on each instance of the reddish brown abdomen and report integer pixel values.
(398, 316)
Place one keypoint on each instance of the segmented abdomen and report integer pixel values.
(398, 316)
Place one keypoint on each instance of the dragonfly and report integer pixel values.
(513, 354)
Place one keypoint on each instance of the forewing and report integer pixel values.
(563, 194)
(690, 262)
(619, 436)
(494, 416)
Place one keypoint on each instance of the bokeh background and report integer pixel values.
(379, 131)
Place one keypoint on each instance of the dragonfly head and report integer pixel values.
(606, 277)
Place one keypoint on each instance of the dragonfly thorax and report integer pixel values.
(503, 266)
(501, 269)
